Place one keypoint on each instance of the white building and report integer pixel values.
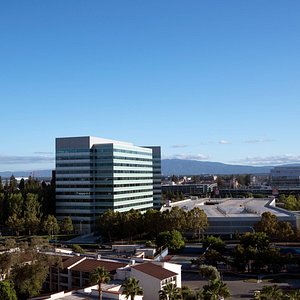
(153, 276)
(228, 216)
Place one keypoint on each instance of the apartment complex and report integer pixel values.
(95, 174)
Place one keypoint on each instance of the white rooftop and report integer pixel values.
(231, 207)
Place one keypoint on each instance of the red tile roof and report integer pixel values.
(89, 265)
(154, 270)
(71, 260)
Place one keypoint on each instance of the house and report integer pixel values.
(153, 276)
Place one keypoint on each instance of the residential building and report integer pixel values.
(75, 273)
(95, 174)
(153, 276)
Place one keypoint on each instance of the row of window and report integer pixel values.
(133, 204)
(102, 171)
(97, 199)
(72, 150)
(75, 186)
(104, 179)
(105, 193)
(97, 207)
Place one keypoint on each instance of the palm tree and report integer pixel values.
(100, 275)
(215, 290)
(170, 292)
(294, 295)
(271, 292)
(131, 288)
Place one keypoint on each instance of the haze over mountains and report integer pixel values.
(173, 166)
(194, 167)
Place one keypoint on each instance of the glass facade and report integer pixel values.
(93, 175)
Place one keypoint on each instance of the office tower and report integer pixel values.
(156, 156)
(95, 174)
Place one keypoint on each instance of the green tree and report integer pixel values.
(153, 222)
(196, 220)
(285, 231)
(7, 291)
(100, 276)
(271, 292)
(29, 278)
(170, 292)
(215, 290)
(131, 288)
(209, 272)
(107, 224)
(176, 219)
(13, 184)
(267, 224)
(67, 225)
(77, 249)
(293, 295)
(6, 262)
(171, 239)
(32, 215)
(50, 225)
(291, 202)
(15, 222)
(131, 223)
(212, 242)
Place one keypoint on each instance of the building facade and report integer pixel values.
(95, 174)
(285, 176)
(156, 157)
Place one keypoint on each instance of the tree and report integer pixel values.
(131, 288)
(7, 291)
(107, 224)
(131, 222)
(267, 224)
(67, 225)
(293, 295)
(212, 242)
(210, 272)
(153, 222)
(15, 222)
(32, 215)
(285, 231)
(215, 290)
(6, 262)
(29, 278)
(196, 221)
(291, 202)
(50, 225)
(99, 276)
(171, 239)
(170, 292)
(271, 292)
(174, 219)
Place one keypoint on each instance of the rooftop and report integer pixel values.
(231, 207)
(154, 270)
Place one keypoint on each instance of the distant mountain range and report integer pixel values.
(176, 167)
(195, 167)
(36, 174)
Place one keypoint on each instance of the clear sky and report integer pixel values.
(210, 80)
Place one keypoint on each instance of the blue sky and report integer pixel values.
(209, 80)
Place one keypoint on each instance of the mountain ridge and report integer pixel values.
(195, 167)
(175, 166)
